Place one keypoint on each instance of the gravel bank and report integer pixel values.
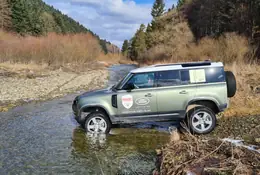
(48, 85)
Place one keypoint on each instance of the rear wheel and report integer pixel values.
(201, 120)
(97, 122)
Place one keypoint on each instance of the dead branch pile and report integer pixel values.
(198, 156)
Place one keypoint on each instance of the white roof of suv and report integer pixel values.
(178, 66)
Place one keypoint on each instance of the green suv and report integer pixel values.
(193, 92)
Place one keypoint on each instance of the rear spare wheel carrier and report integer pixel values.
(231, 84)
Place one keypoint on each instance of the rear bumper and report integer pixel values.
(223, 107)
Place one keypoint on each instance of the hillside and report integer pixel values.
(36, 18)
(193, 29)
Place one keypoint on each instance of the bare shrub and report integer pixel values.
(52, 49)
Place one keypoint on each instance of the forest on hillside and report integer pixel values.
(36, 18)
(226, 30)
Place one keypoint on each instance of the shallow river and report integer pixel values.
(43, 138)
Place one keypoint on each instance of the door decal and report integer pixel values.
(142, 101)
(127, 101)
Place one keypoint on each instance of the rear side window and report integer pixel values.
(168, 78)
(185, 77)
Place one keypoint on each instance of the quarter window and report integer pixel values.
(168, 78)
(214, 75)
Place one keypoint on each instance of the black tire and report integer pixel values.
(199, 110)
(98, 115)
(231, 84)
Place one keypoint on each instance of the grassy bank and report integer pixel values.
(246, 101)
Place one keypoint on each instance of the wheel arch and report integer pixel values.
(94, 108)
(213, 105)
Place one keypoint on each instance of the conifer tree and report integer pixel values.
(148, 38)
(138, 43)
(20, 16)
(5, 15)
(125, 47)
(158, 8)
(180, 3)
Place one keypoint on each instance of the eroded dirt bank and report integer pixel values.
(30, 85)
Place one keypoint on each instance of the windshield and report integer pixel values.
(122, 81)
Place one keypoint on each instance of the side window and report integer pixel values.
(168, 78)
(185, 77)
(144, 80)
(214, 75)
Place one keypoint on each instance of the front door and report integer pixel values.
(140, 103)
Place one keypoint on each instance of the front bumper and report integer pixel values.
(75, 110)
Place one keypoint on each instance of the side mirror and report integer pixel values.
(129, 86)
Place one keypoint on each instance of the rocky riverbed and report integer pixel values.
(30, 86)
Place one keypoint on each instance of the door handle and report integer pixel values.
(148, 95)
(184, 92)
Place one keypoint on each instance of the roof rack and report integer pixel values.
(188, 64)
(205, 63)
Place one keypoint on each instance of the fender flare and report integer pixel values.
(93, 106)
(212, 100)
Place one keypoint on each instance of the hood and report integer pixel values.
(96, 92)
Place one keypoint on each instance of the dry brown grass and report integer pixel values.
(54, 50)
(247, 99)
(176, 43)
(20, 67)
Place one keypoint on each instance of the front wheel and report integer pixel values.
(201, 120)
(97, 122)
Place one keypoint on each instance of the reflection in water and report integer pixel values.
(125, 151)
(96, 139)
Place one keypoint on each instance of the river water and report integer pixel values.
(43, 138)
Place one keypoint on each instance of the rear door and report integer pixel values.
(174, 90)
(139, 104)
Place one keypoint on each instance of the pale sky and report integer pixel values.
(113, 20)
